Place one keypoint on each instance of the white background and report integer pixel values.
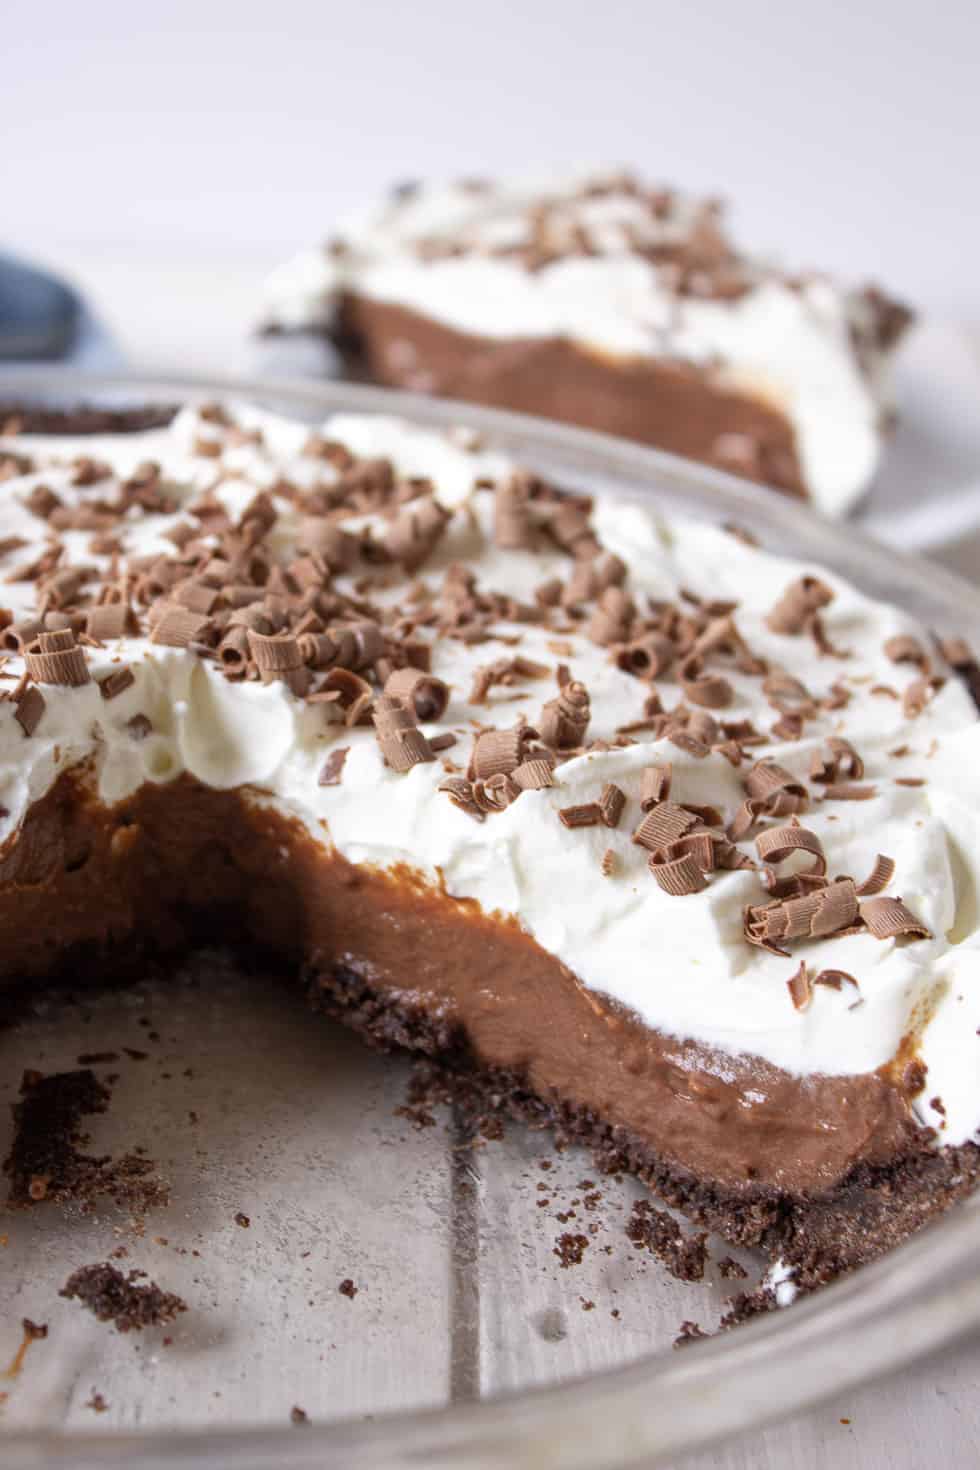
(167, 154)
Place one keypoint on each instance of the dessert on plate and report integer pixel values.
(601, 302)
(633, 830)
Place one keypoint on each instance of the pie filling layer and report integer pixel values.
(634, 829)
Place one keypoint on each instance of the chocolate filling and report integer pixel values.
(83, 884)
(672, 405)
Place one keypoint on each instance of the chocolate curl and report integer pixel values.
(904, 649)
(708, 690)
(840, 760)
(177, 627)
(777, 844)
(42, 501)
(654, 785)
(414, 535)
(116, 683)
(345, 696)
(811, 916)
(918, 694)
(799, 988)
(108, 620)
(663, 825)
(612, 804)
(722, 636)
(570, 528)
(835, 979)
(62, 589)
(565, 720)
(778, 788)
(495, 794)
(648, 657)
(401, 741)
(679, 876)
(422, 692)
(800, 600)
(612, 619)
(880, 876)
(327, 543)
(277, 653)
(788, 695)
(318, 650)
(846, 791)
(29, 706)
(503, 671)
(360, 644)
(17, 636)
(888, 918)
(587, 815)
(460, 793)
(198, 597)
(533, 775)
(513, 528)
(233, 651)
(54, 658)
(496, 751)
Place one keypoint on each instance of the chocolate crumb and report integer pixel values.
(571, 1249)
(126, 1301)
(242, 1220)
(348, 1289)
(731, 1270)
(684, 1256)
(298, 1415)
(97, 1403)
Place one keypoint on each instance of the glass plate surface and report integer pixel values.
(467, 1343)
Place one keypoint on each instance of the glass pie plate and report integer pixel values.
(465, 1342)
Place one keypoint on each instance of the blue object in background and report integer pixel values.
(43, 320)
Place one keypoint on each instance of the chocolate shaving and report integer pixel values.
(777, 844)
(513, 528)
(918, 694)
(679, 876)
(904, 649)
(401, 742)
(608, 862)
(841, 760)
(503, 671)
(788, 695)
(564, 720)
(799, 988)
(54, 658)
(426, 695)
(663, 825)
(117, 682)
(771, 791)
(648, 657)
(345, 696)
(29, 707)
(835, 979)
(888, 918)
(824, 646)
(847, 791)
(589, 814)
(414, 535)
(333, 767)
(496, 751)
(708, 690)
(108, 620)
(177, 627)
(445, 741)
(798, 603)
(828, 910)
(460, 793)
(533, 775)
(654, 785)
(612, 804)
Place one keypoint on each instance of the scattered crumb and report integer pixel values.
(684, 1256)
(690, 1332)
(122, 1300)
(570, 1249)
(298, 1415)
(587, 1306)
(242, 1220)
(731, 1270)
(97, 1403)
(347, 1288)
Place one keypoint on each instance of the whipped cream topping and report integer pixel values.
(455, 254)
(680, 963)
